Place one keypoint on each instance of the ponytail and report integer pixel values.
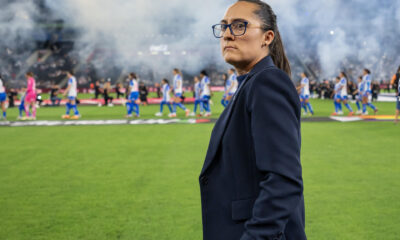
(269, 23)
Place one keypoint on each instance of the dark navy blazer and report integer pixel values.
(251, 182)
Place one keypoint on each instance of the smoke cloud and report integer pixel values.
(321, 37)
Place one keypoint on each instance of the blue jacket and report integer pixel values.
(251, 182)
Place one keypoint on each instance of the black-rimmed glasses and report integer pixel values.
(237, 28)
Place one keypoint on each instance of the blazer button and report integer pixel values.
(204, 180)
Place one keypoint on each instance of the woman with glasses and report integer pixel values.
(251, 182)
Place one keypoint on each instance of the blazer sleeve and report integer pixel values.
(274, 108)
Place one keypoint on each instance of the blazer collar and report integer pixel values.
(220, 125)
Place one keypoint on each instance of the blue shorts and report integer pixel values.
(3, 97)
(337, 97)
(304, 97)
(205, 98)
(398, 103)
(178, 94)
(345, 97)
(72, 98)
(365, 94)
(231, 94)
(134, 96)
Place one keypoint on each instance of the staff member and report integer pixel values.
(251, 182)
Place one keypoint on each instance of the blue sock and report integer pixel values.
(358, 106)
(310, 107)
(304, 107)
(4, 114)
(372, 106)
(68, 106)
(129, 107)
(169, 106)
(349, 107)
(340, 106)
(336, 107)
(76, 112)
(136, 106)
(161, 106)
(195, 105)
(364, 107)
(223, 102)
(182, 106)
(174, 107)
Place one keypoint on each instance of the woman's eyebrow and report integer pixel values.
(234, 20)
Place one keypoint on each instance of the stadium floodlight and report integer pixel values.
(332, 32)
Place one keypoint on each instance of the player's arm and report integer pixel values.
(392, 81)
(300, 87)
(67, 89)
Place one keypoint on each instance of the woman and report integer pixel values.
(343, 92)
(166, 100)
(251, 182)
(337, 97)
(358, 92)
(205, 92)
(197, 98)
(30, 96)
(367, 92)
(72, 92)
(133, 97)
(304, 89)
(3, 98)
(396, 84)
(178, 90)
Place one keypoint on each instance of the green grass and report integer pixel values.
(322, 108)
(140, 182)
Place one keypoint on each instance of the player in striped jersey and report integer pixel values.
(3, 97)
(166, 98)
(337, 98)
(359, 91)
(197, 98)
(343, 92)
(30, 97)
(304, 89)
(178, 90)
(72, 92)
(205, 92)
(133, 97)
(231, 87)
(367, 92)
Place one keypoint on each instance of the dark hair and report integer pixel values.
(305, 74)
(360, 77)
(233, 70)
(70, 72)
(344, 74)
(204, 73)
(132, 75)
(30, 74)
(398, 70)
(165, 80)
(268, 18)
(367, 70)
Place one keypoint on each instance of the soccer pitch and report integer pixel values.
(141, 181)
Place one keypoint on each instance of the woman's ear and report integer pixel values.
(268, 38)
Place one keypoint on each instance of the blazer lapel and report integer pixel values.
(220, 125)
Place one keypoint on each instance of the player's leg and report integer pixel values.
(396, 118)
(4, 109)
(307, 102)
(75, 108)
(347, 105)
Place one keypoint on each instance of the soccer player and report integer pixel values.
(397, 77)
(133, 89)
(205, 92)
(21, 107)
(337, 98)
(30, 97)
(166, 100)
(305, 94)
(225, 79)
(178, 89)
(3, 97)
(231, 86)
(367, 92)
(343, 92)
(359, 92)
(72, 93)
(197, 98)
